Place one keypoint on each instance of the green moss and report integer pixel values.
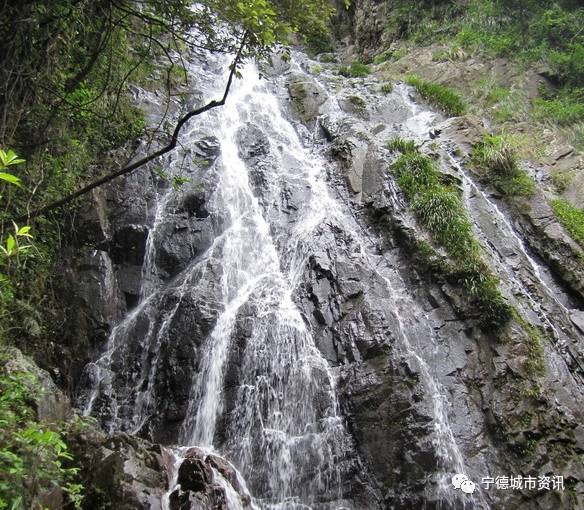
(358, 102)
(571, 217)
(441, 96)
(496, 158)
(387, 88)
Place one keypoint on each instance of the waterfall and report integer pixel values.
(220, 358)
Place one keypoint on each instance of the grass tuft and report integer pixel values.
(355, 70)
(441, 96)
(571, 217)
(402, 145)
(439, 208)
(497, 158)
(387, 88)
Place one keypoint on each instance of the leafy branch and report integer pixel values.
(160, 152)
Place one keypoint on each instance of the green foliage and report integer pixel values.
(33, 456)
(399, 144)
(8, 159)
(571, 217)
(564, 109)
(530, 32)
(317, 43)
(439, 208)
(390, 55)
(497, 159)
(356, 70)
(387, 88)
(440, 95)
(178, 182)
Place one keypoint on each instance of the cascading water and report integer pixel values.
(257, 387)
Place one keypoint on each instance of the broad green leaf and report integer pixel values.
(10, 243)
(24, 231)
(12, 179)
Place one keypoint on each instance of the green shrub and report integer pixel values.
(569, 63)
(440, 95)
(356, 70)
(564, 109)
(33, 455)
(571, 217)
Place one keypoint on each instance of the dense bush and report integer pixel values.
(34, 458)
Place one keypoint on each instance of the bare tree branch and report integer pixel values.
(164, 150)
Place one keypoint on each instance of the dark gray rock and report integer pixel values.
(120, 472)
(307, 96)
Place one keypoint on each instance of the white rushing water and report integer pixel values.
(281, 425)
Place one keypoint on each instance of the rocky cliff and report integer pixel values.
(281, 307)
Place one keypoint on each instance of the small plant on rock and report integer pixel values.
(497, 159)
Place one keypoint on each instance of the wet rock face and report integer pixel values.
(119, 472)
(199, 487)
(306, 96)
(399, 351)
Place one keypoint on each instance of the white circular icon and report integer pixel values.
(458, 479)
(467, 487)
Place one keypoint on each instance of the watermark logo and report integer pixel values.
(540, 483)
(462, 482)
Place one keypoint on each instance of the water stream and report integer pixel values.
(261, 394)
